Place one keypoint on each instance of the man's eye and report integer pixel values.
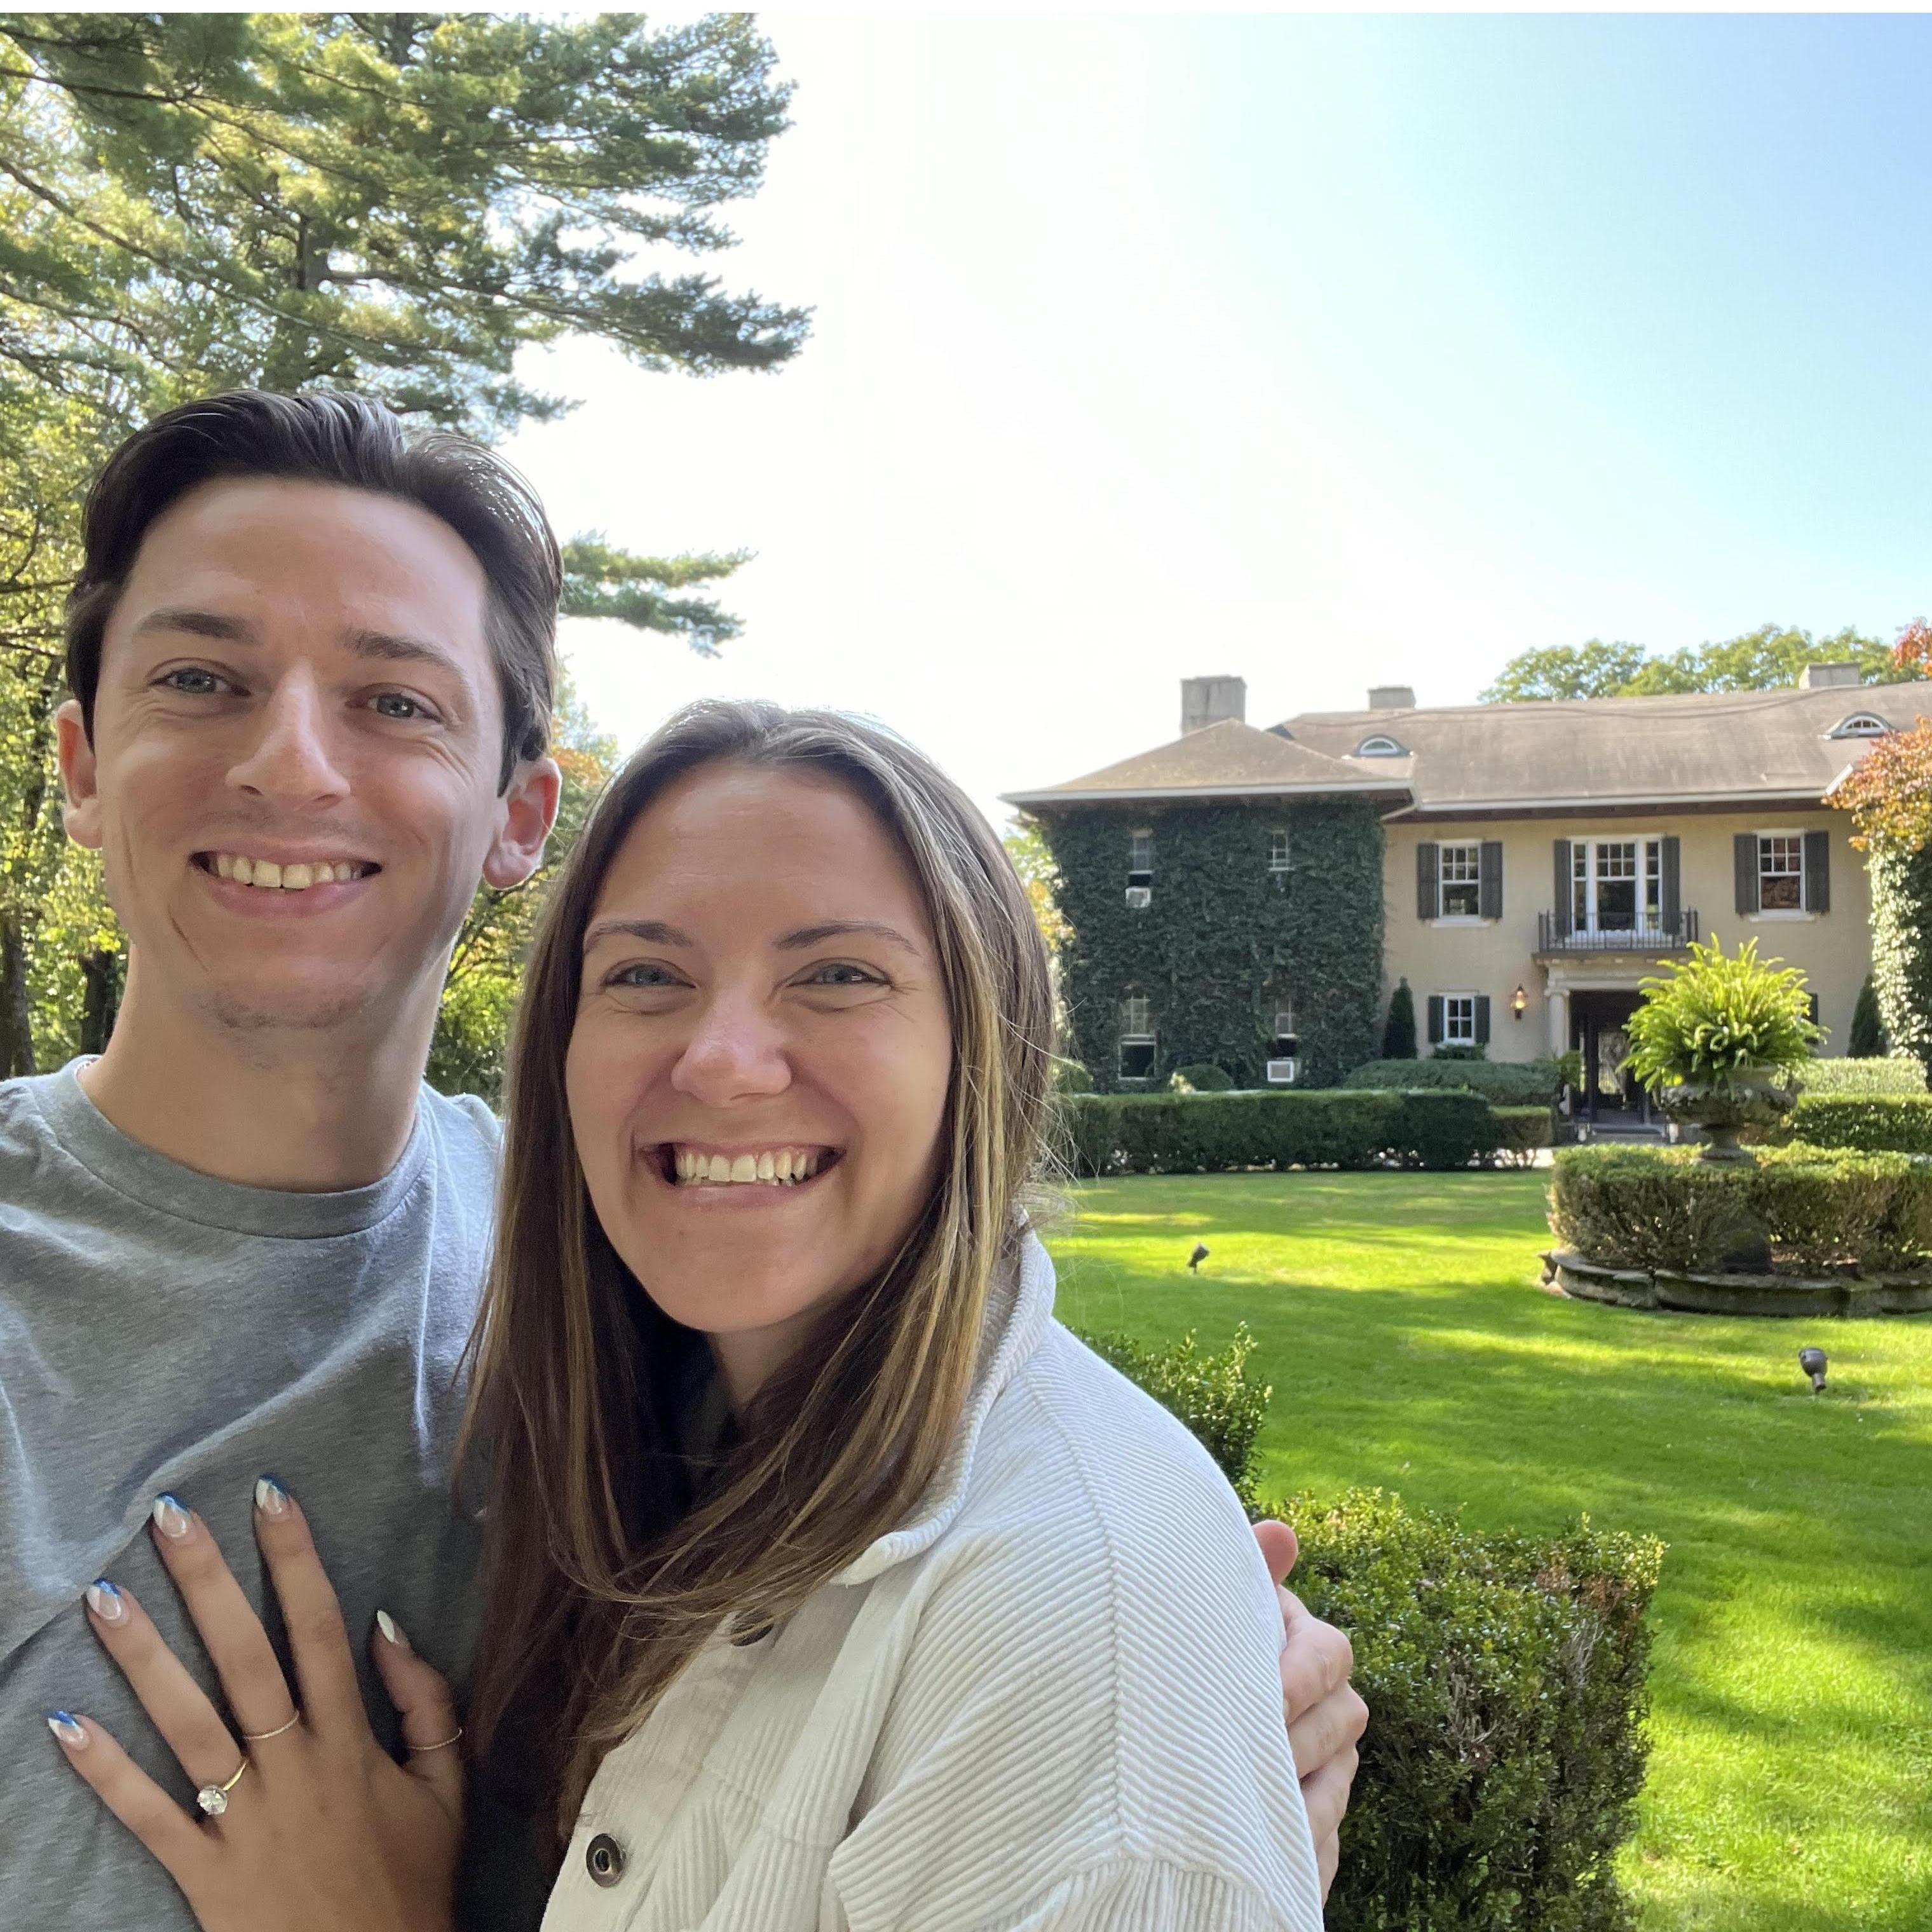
(396, 704)
(193, 682)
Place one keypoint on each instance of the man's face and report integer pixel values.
(297, 675)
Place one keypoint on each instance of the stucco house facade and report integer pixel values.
(1522, 866)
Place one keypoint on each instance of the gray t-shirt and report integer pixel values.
(161, 1329)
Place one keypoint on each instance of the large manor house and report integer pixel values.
(1250, 897)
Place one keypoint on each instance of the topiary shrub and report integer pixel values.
(1647, 1207)
(1878, 1123)
(1070, 1077)
(1205, 1078)
(1505, 1677)
(1868, 1040)
(1503, 1083)
(1214, 1395)
(1896, 1074)
(1399, 1031)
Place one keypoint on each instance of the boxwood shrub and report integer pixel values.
(1211, 1133)
(1890, 1075)
(1523, 1129)
(1504, 1677)
(1502, 1083)
(1897, 1122)
(1505, 1681)
(1820, 1208)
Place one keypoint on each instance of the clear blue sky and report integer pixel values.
(1327, 351)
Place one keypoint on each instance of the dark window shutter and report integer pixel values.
(1561, 909)
(1811, 999)
(1744, 848)
(1490, 890)
(1482, 1019)
(1672, 895)
(1436, 1019)
(1428, 873)
(1817, 871)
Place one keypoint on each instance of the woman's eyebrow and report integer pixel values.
(652, 932)
(834, 928)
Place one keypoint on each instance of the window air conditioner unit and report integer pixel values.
(1281, 1072)
(1139, 898)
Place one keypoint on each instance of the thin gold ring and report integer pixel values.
(213, 1799)
(258, 1737)
(416, 1750)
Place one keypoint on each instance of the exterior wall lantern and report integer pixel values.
(1519, 1002)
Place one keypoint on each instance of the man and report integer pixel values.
(311, 660)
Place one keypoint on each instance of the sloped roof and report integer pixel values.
(1598, 753)
(1228, 758)
(1607, 751)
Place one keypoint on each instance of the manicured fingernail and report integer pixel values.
(271, 1498)
(391, 1634)
(106, 1602)
(67, 1729)
(171, 1519)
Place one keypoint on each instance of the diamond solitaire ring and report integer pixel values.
(213, 1799)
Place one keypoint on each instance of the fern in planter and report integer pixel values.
(1717, 1020)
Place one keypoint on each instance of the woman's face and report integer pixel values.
(758, 1072)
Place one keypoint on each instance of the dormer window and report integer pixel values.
(1380, 748)
(1860, 725)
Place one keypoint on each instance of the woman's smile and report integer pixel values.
(704, 1168)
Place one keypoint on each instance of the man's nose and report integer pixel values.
(290, 760)
(736, 1053)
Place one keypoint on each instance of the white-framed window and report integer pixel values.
(1616, 885)
(1280, 860)
(1140, 856)
(1459, 1019)
(1284, 1058)
(1860, 724)
(1780, 872)
(1459, 877)
(1137, 1043)
(1380, 748)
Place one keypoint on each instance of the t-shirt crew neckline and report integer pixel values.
(85, 1134)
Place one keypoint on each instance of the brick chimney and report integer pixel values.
(1391, 697)
(1817, 676)
(1208, 701)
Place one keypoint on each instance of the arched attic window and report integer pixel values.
(1860, 725)
(1380, 748)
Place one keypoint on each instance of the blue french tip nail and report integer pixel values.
(66, 1727)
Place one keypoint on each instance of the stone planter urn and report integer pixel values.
(1718, 1108)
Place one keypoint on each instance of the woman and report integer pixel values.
(835, 1582)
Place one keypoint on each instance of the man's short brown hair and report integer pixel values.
(331, 435)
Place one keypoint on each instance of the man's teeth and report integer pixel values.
(297, 878)
(779, 1167)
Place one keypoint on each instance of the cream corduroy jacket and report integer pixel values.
(1049, 1703)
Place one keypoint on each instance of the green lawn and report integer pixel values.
(1399, 1321)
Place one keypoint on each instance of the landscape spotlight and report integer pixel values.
(1519, 1001)
(1199, 1256)
(1812, 1361)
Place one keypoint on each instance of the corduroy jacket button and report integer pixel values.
(605, 1859)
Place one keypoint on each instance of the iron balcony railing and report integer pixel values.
(1655, 936)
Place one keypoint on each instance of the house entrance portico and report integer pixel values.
(1589, 1014)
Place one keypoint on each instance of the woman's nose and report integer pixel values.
(736, 1053)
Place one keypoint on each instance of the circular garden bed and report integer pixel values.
(1801, 1230)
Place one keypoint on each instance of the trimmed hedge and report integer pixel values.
(1894, 1122)
(1502, 1083)
(1504, 1677)
(1820, 1208)
(1505, 1681)
(1862, 1077)
(1524, 1130)
(1214, 1133)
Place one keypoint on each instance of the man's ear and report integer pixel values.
(79, 777)
(525, 814)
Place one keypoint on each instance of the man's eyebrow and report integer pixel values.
(200, 624)
(652, 932)
(392, 648)
(807, 936)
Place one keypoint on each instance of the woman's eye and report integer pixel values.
(842, 973)
(193, 682)
(643, 975)
(396, 704)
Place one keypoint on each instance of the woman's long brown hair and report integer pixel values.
(602, 1575)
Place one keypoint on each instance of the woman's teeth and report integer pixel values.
(297, 878)
(780, 1167)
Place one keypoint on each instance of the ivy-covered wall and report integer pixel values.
(1223, 937)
